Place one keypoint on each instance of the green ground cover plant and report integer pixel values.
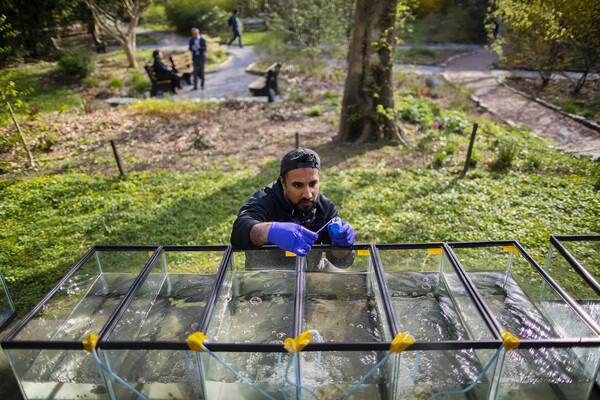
(49, 221)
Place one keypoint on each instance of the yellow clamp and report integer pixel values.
(509, 340)
(89, 344)
(195, 341)
(401, 343)
(297, 344)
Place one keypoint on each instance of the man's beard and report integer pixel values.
(304, 209)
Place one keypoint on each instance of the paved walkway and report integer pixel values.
(231, 79)
(475, 71)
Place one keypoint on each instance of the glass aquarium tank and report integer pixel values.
(454, 339)
(146, 344)
(45, 348)
(144, 303)
(558, 355)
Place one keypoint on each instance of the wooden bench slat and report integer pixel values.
(183, 63)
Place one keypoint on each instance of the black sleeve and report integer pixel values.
(252, 213)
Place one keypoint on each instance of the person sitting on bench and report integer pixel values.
(164, 72)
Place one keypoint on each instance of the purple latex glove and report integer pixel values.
(292, 237)
(344, 236)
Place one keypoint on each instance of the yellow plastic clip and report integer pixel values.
(509, 340)
(363, 252)
(435, 250)
(401, 343)
(195, 341)
(290, 254)
(513, 249)
(298, 343)
(89, 344)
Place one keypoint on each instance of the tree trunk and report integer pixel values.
(368, 106)
(109, 19)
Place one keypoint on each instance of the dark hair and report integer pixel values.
(155, 53)
(235, 10)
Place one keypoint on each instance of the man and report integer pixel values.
(198, 49)
(290, 210)
(235, 27)
(164, 72)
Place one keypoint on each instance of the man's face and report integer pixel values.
(301, 187)
(195, 33)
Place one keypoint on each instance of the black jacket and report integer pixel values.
(269, 204)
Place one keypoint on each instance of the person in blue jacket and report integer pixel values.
(198, 49)
(236, 27)
(289, 211)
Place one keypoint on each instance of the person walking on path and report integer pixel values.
(197, 46)
(236, 27)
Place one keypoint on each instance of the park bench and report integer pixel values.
(183, 65)
(255, 23)
(266, 85)
(164, 85)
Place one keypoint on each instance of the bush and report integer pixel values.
(138, 83)
(116, 83)
(507, 152)
(155, 14)
(91, 82)
(314, 111)
(77, 63)
(205, 15)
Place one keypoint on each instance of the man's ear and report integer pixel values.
(281, 180)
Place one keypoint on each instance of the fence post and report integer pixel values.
(297, 140)
(470, 150)
(117, 157)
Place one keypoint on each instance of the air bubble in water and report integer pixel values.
(255, 301)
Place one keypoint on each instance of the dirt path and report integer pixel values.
(474, 70)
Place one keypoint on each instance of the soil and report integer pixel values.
(588, 98)
(235, 133)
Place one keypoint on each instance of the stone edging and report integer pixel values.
(578, 118)
(481, 104)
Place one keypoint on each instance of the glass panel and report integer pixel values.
(568, 278)
(343, 305)
(587, 252)
(524, 305)
(168, 307)
(7, 308)
(57, 374)
(170, 302)
(255, 305)
(157, 374)
(85, 302)
(432, 304)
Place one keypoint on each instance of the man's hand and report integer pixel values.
(292, 237)
(343, 237)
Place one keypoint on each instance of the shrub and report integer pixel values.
(91, 82)
(438, 159)
(314, 111)
(507, 152)
(139, 83)
(155, 14)
(205, 15)
(77, 63)
(454, 122)
(116, 83)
